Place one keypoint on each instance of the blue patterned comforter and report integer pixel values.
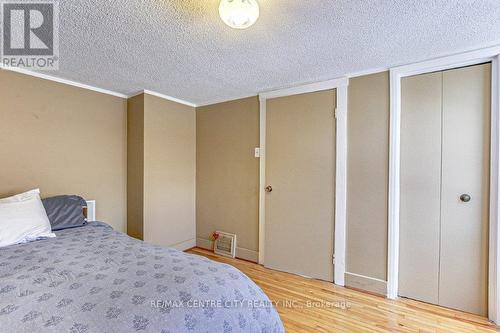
(94, 279)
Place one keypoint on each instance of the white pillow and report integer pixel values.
(23, 219)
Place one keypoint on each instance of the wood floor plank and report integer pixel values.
(308, 305)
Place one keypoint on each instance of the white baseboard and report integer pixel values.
(182, 246)
(204, 243)
(241, 253)
(366, 283)
(247, 254)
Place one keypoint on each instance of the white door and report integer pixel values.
(300, 170)
(445, 149)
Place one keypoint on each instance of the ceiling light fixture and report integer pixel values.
(239, 14)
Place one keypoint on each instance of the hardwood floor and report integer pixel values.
(307, 305)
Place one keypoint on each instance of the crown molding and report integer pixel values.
(223, 100)
(63, 81)
(306, 88)
(169, 98)
(269, 94)
(367, 72)
(140, 92)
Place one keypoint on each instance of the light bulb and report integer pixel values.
(239, 14)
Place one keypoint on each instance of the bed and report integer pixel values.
(95, 279)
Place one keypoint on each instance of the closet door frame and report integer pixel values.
(445, 63)
(340, 185)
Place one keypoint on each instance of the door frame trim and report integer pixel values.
(340, 185)
(492, 55)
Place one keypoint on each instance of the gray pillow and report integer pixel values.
(65, 211)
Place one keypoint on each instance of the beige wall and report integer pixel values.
(135, 166)
(162, 171)
(367, 184)
(226, 136)
(170, 173)
(68, 140)
(63, 140)
(228, 173)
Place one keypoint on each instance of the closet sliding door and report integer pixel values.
(466, 172)
(445, 148)
(420, 211)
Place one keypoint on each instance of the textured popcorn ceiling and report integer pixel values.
(182, 49)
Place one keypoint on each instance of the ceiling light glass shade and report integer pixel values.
(239, 14)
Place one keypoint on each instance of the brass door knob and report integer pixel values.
(269, 188)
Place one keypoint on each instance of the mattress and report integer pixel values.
(95, 279)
